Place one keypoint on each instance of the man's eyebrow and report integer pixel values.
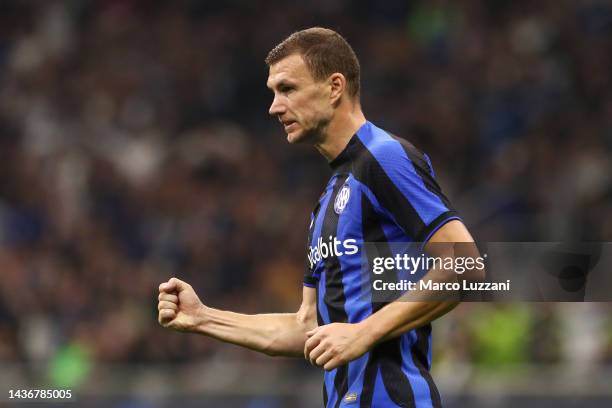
(280, 83)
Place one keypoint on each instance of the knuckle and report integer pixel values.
(170, 305)
(166, 313)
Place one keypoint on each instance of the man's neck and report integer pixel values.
(339, 132)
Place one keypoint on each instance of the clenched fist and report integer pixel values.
(179, 306)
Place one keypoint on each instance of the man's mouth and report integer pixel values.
(288, 124)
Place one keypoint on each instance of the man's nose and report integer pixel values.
(276, 108)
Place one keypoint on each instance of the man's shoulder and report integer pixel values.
(383, 148)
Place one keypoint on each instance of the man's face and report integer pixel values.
(301, 103)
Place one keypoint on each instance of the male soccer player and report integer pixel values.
(382, 190)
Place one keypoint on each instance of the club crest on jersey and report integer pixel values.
(342, 199)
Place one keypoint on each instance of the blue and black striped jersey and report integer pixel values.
(382, 190)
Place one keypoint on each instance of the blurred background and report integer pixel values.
(135, 145)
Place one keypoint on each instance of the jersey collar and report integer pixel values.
(346, 154)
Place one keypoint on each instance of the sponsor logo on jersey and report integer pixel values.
(333, 247)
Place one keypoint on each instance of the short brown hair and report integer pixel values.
(324, 51)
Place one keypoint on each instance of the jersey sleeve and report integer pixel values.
(402, 181)
(311, 279)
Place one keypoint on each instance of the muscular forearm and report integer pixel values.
(415, 309)
(278, 334)
(274, 334)
(399, 317)
(420, 306)
(333, 345)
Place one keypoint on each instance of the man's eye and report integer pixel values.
(286, 89)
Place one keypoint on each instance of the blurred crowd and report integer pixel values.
(135, 145)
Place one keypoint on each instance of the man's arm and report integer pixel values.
(273, 334)
(408, 314)
(336, 344)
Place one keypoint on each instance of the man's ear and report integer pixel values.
(337, 82)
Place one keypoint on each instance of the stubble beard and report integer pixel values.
(312, 136)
